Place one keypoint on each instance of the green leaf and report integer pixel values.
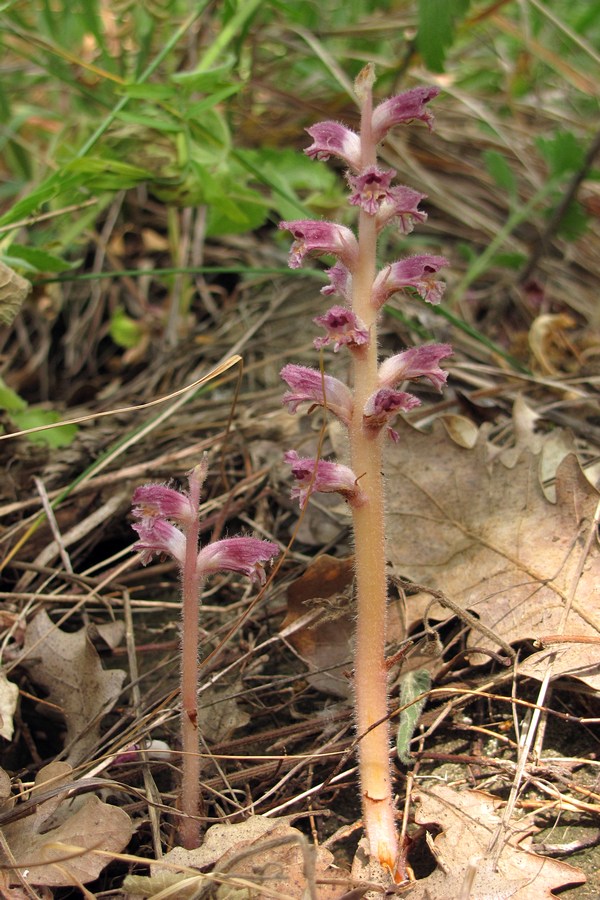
(413, 685)
(105, 174)
(156, 92)
(437, 20)
(151, 120)
(513, 261)
(500, 171)
(124, 330)
(10, 400)
(57, 183)
(563, 152)
(574, 222)
(38, 260)
(32, 417)
(209, 80)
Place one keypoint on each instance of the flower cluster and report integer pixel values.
(376, 197)
(157, 507)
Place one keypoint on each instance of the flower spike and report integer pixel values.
(309, 385)
(323, 476)
(368, 409)
(321, 237)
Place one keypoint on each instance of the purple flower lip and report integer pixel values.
(334, 139)
(413, 272)
(416, 362)
(401, 203)
(383, 406)
(322, 476)
(246, 555)
(342, 327)
(310, 386)
(371, 188)
(321, 237)
(159, 536)
(402, 109)
(340, 282)
(153, 500)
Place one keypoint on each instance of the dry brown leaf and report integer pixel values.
(42, 844)
(266, 853)
(68, 667)
(489, 540)
(319, 605)
(319, 626)
(219, 713)
(469, 820)
(9, 696)
(13, 291)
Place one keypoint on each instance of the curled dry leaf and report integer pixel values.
(487, 538)
(68, 667)
(319, 622)
(269, 856)
(13, 291)
(57, 843)
(319, 626)
(465, 867)
(9, 696)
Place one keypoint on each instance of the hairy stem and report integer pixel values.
(370, 675)
(189, 831)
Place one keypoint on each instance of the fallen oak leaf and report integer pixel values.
(488, 538)
(323, 640)
(468, 821)
(38, 843)
(69, 668)
(268, 856)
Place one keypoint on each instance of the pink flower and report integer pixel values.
(342, 327)
(401, 109)
(333, 139)
(371, 188)
(414, 272)
(383, 406)
(158, 536)
(310, 386)
(401, 203)
(340, 282)
(414, 363)
(246, 555)
(324, 476)
(321, 237)
(158, 500)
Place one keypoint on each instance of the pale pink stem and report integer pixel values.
(370, 675)
(189, 830)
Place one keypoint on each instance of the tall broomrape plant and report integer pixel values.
(368, 409)
(168, 522)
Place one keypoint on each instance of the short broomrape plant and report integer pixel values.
(368, 410)
(168, 522)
